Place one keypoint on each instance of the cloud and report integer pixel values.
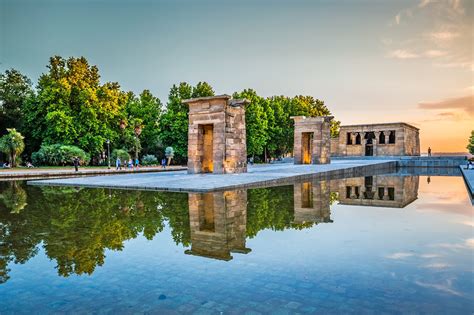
(402, 54)
(467, 244)
(397, 18)
(447, 287)
(437, 266)
(399, 255)
(433, 53)
(444, 35)
(465, 103)
(423, 3)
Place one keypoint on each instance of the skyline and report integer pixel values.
(370, 62)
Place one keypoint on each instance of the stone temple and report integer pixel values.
(312, 140)
(389, 139)
(217, 135)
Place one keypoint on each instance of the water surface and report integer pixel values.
(385, 243)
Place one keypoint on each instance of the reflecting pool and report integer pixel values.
(384, 243)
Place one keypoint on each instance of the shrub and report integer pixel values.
(59, 154)
(121, 153)
(149, 159)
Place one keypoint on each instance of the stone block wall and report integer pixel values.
(226, 117)
(395, 191)
(320, 149)
(316, 209)
(218, 222)
(377, 136)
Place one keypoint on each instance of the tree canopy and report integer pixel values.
(70, 106)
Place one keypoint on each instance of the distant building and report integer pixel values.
(378, 191)
(389, 139)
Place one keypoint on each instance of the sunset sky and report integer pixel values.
(370, 61)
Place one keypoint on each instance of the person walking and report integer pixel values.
(76, 163)
(137, 163)
(118, 165)
(429, 151)
(163, 163)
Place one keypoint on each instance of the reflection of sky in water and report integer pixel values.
(418, 258)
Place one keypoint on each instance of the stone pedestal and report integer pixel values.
(312, 140)
(217, 135)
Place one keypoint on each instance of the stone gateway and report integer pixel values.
(312, 140)
(217, 135)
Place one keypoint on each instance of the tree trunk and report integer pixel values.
(13, 160)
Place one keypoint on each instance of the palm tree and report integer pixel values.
(12, 145)
(169, 153)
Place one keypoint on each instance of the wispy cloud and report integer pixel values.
(445, 287)
(424, 3)
(399, 255)
(403, 54)
(439, 30)
(443, 35)
(437, 266)
(464, 103)
(433, 53)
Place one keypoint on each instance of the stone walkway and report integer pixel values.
(37, 173)
(257, 176)
(469, 179)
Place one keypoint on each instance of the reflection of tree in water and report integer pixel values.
(13, 197)
(76, 226)
(273, 208)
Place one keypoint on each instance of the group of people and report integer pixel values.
(127, 163)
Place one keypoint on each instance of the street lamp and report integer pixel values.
(108, 151)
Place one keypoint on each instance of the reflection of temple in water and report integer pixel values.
(218, 223)
(378, 191)
(312, 202)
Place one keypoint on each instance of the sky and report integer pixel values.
(370, 61)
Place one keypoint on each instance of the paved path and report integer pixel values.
(468, 175)
(36, 173)
(261, 175)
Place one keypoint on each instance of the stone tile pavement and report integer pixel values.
(257, 176)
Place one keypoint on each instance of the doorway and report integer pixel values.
(306, 147)
(307, 195)
(207, 148)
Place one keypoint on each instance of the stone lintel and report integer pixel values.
(191, 101)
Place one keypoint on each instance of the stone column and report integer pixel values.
(386, 134)
(385, 194)
(374, 141)
(353, 137)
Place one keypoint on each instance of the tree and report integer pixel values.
(12, 145)
(148, 108)
(174, 122)
(15, 89)
(169, 153)
(73, 108)
(256, 120)
(470, 145)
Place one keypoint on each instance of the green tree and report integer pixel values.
(15, 89)
(174, 121)
(470, 145)
(12, 145)
(72, 107)
(256, 120)
(148, 108)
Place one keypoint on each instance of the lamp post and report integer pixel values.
(108, 152)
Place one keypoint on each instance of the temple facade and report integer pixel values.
(389, 139)
(216, 135)
(378, 191)
(312, 140)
